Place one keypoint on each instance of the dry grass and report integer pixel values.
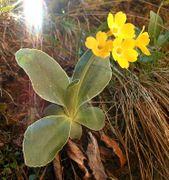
(140, 109)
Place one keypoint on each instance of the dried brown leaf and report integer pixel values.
(75, 153)
(95, 162)
(115, 147)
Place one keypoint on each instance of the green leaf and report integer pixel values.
(155, 26)
(91, 117)
(76, 131)
(94, 74)
(54, 109)
(49, 80)
(44, 139)
(163, 39)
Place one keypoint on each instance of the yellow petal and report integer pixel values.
(128, 44)
(101, 37)
(91, 42)
(110, 20)
(104, 54)
(114, 54)
(109, 33)
(109, 45)
(143, 39)
(127, 31)
(123, 63)
(117, 42)
(100, 53)
(145, 50)
(120, 18)
(95, 51)
(130, 55)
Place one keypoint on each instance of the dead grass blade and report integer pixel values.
(141, 105)
(57, 167)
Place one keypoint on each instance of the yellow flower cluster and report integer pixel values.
(124, 44)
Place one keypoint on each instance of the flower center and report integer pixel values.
(119, 51)
(100, 46)
(114, 30)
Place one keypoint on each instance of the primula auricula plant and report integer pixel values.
(70, 96)
(121, 41)
(47, 136)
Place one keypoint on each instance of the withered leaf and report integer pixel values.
(115, 147)
(95, 162)
(75, 153)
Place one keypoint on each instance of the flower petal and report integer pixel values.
(96, 51)
(120, 18)
(110, 20)
(109, 33)
(91, 42)
(100, 52)
(127, 31)
(104, 54)
(117, 42)
(109, 45)
(101, 37)
(143, 39)
(131, 55)
(114, 54)
(128, 44)
(145, 50)
(123, 62)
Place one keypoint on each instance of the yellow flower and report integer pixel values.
(123, 51)
(142, 41)
(118, 26)
(100, 46)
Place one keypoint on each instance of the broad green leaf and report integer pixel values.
(163, 40)
(155, 26)
(44, 139)
(49, 80)
(91, 117)
(54, 109)
(94, 74)
(76, 131)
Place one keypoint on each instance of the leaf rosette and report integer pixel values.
(70, 96)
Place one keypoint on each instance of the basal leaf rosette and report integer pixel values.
(64, 118)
